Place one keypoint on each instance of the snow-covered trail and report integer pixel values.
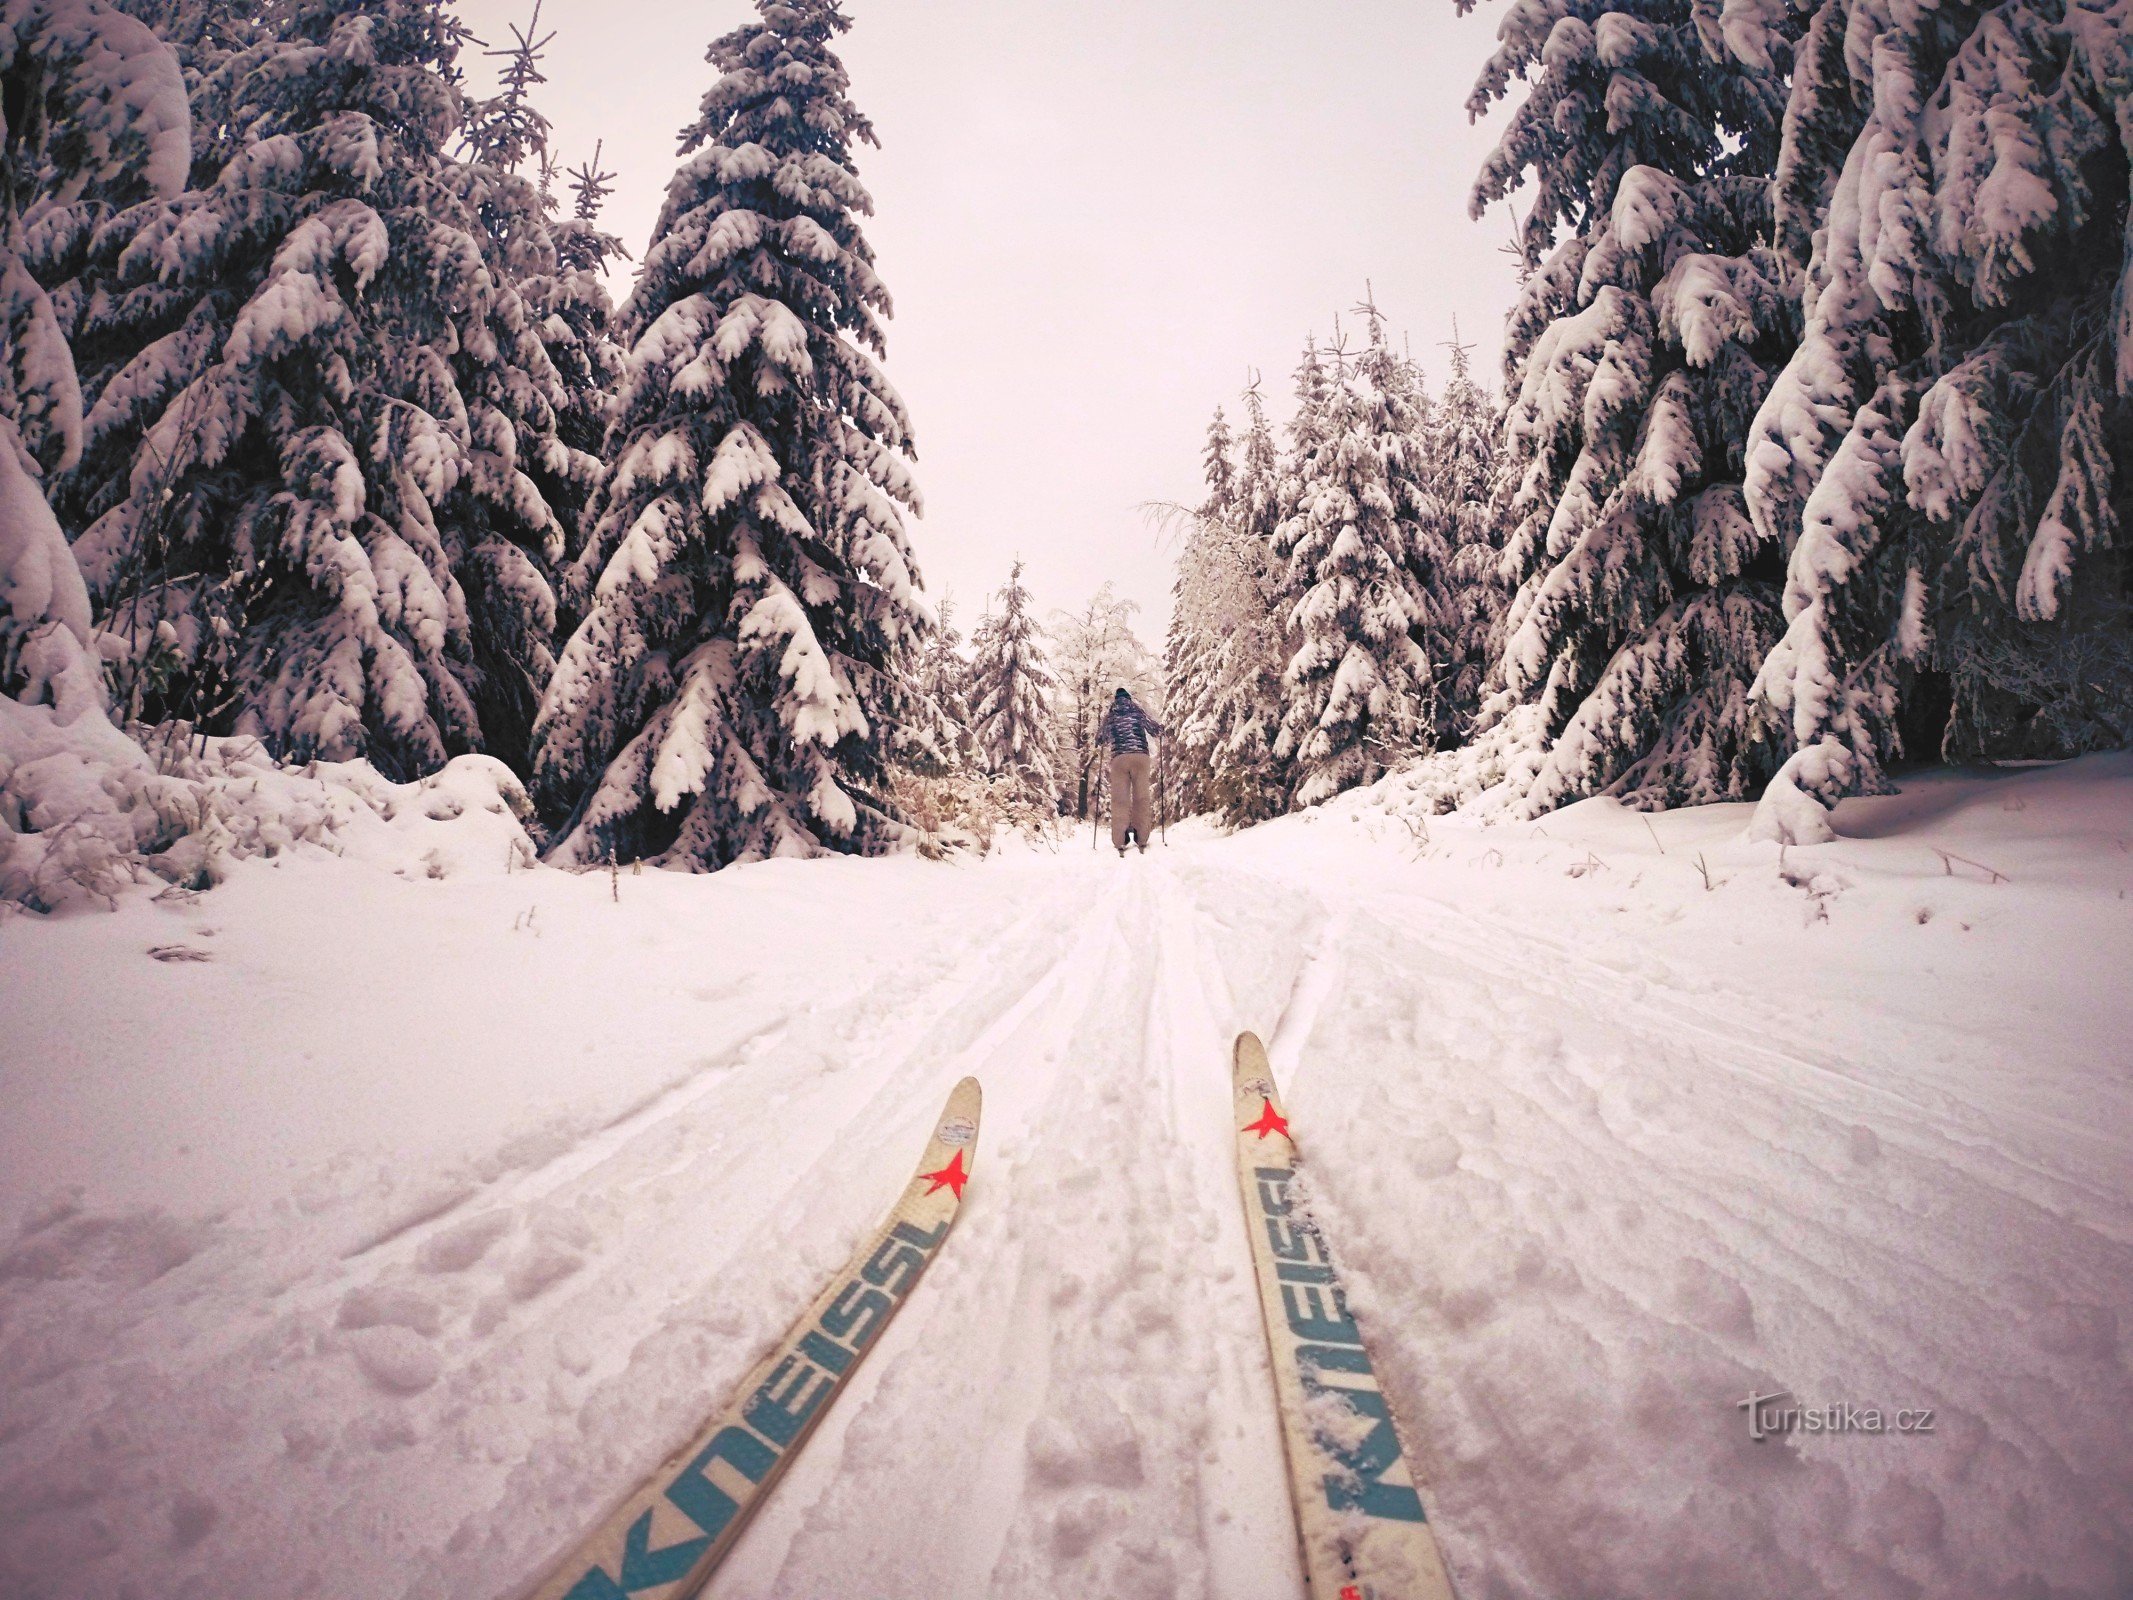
(1070, 1397)
(1596, 1169)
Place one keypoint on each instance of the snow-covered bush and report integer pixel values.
(968, 811)
(85, 811)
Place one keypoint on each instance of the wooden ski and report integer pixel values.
(1357, 1511)
(665, 1540)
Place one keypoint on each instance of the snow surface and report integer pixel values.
(380, 1218)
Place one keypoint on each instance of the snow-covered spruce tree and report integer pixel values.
(1094, 652)
(1638, 350)
(577, 322)
(1011, 686)
(1462, 488)
(1942, 456)
(1360, 696)
(1192, 650)
(313, 515)
(750, 607)
(1228, 644)
(1247, 781)
(557, 264)
(938, 739)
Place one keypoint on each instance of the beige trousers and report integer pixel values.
(1132, 799)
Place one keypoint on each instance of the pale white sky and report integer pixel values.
(1096, 217)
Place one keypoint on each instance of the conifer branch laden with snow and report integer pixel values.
(323, 412)
(1639, 347)
(98, 121)
(92, 106)
(1942, 454)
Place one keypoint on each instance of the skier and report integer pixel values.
(1125, 733)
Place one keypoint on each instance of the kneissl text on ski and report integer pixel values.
(664, 1542)
(1358, 1514)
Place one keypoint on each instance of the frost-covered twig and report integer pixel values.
(1948, 859)
(1417, 829)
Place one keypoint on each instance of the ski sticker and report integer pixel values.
(666, 1540)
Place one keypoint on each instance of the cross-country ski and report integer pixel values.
(1358, 1511)
(598, 601)
(664, 1542)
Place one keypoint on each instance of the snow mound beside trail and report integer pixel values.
(87, 813)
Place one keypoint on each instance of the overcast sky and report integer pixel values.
(1097, 219)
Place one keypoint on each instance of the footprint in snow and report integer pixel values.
(387, 1306)
(464, 1243)
(192, 1518)
(1710, 1300)
(397, 1361)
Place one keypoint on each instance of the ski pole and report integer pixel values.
(1162, 790)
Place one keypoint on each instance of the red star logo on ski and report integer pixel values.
(952, 1176)
(1270, 1121)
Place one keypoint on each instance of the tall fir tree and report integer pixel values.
(312, 515)
(1462, 479)
(1248, 781)
(1942, 457)
(1194, 644)
(556, 266)
(750, 606)
(1360, 695)
(1011, 684)
(938, 737)
(577, 321)
(1638, 351)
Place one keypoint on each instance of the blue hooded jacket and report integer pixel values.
(1127, 727)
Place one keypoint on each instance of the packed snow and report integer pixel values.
(380, 1217)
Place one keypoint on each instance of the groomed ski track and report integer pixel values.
(1586, 1209)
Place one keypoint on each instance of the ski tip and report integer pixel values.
(1248, 1055)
